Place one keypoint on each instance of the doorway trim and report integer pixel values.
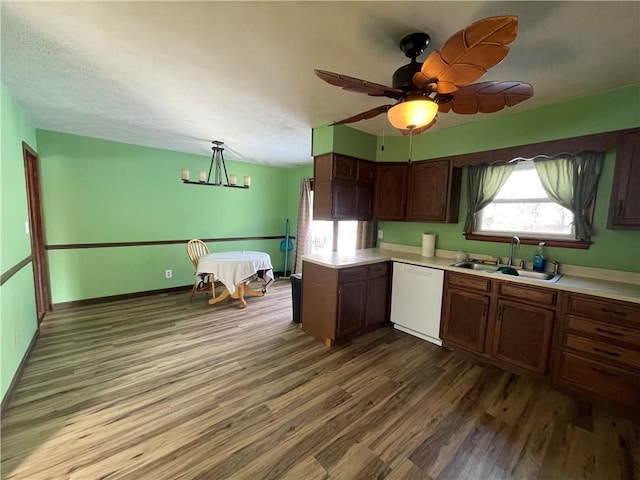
(36, 232)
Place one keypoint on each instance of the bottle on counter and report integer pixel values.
(538, 259)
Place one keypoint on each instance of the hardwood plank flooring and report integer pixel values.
(164, 388)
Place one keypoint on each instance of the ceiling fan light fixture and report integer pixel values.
(412, 114)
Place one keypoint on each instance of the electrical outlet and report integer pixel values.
(168, 274)
(380, 234)
(26, 227)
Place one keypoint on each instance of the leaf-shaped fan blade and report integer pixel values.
(361, 86)
(418, 131)
(374, 112)
(468, 54)
(487, 97)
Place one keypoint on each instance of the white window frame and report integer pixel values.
(522, 233)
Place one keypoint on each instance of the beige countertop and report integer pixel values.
(629, 292)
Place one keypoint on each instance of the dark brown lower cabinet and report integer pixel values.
(598, 350)
(522, 335)
(465, 315)
(592, 350)
(377, 301)
(465, 322)
(351, 308)
(507, 323)
(341, 302)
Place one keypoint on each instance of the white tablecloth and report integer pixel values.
(232, 268)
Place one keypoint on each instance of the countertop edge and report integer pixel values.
(569, 283)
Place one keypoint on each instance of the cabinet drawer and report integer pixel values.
(604, 381)
(603, 350)
(527, 294)
(469, 281)
(619, 333)
(603, 309)
(355, 274)
(378, 270)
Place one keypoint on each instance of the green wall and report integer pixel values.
(98, 191)
(18, 322)
(345, 140)
(614, 110)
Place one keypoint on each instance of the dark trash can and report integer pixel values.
(296, 295)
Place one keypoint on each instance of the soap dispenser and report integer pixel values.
(538, 259)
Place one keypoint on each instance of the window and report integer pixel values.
(523, 207)
(322, 235)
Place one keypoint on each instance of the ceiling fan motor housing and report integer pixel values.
(403, 77)
(412, 45)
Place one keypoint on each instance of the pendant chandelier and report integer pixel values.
(218, 167)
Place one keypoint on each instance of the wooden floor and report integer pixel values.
(163, 388)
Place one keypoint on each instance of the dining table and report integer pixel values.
(235, 270)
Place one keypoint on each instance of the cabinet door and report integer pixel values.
(351, 307)
(344, 168)
(624, 207)
(522, 335)
(364, 202)
(365, 171)
(390, 191)
(344, 202)
(465, 319)
(428, 190)
(377, 301)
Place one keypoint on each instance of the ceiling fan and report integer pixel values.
(443, 83)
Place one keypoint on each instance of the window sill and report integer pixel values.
(578, 244)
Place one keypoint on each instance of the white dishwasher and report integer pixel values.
(416, 300)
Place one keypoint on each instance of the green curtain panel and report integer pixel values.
(572, 182)
(483, 184)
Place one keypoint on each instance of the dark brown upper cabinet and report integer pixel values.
(391, 191)
(425, 191)
(624, 207)
(343, 188)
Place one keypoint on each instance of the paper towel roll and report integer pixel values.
(428, 245)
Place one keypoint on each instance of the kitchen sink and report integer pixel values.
(476, 266)
(538, 275)
(542, 276)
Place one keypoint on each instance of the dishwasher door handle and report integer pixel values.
(424, 271)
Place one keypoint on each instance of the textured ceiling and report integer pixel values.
(176, 75)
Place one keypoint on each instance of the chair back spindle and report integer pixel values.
(195, 249)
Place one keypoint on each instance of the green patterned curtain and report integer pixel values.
(572, 181)
(483, 184)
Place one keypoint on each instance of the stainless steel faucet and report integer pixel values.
(514, 240)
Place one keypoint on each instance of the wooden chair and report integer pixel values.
(204, 282)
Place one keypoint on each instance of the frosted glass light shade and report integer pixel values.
(412, 114)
